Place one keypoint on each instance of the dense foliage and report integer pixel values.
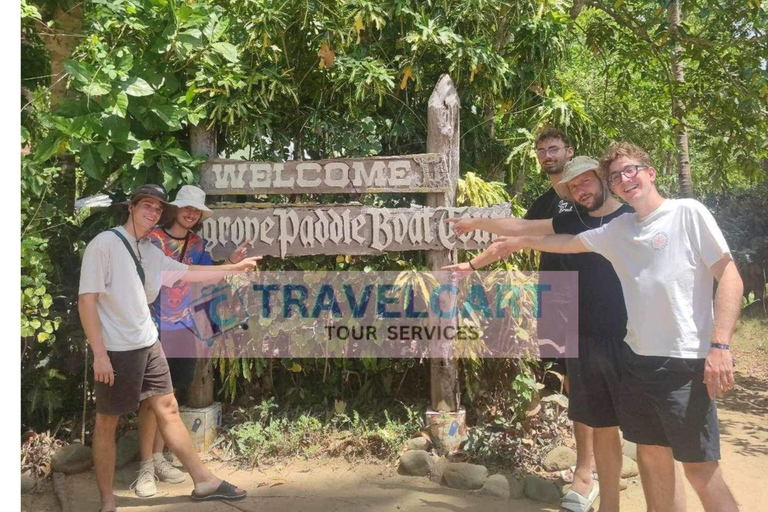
(286, 79)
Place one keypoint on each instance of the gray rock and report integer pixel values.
(503, 486)
(559, 459)
(562, 487)
(127, 449)
(462, 475)
(628, 468)
(436, 475)
(72, 458)
(418, 443)
(541, 489)
(28, 482)
(630, 450)
(415, 463)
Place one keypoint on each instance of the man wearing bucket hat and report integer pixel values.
(675, 357)
(593, 375)
(177, 239)
(121, 273)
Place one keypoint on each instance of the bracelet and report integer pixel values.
(472, 266)
(722, 346)
(230, 261)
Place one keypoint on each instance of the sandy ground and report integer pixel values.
(336, 485)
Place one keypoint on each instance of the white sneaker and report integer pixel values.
(166, 472)
(144, 485)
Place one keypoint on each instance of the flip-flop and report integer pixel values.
(567, 475)
(225, 491)
(575, 502)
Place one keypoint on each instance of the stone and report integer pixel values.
(71, 459)
(541, 489)
(630, 450)
(436, 475)
(415, 463)
(503, 486)
(463, 475)
(623, 484)
(418, 443)
(628, 467)
(563, 487)
(559, 459)
(28, 482)
(127, 448)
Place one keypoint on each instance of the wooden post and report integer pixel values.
(443, 137)
(200, 392)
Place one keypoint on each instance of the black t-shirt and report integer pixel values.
(548, 206)
(601, 306)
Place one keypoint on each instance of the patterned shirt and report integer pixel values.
(171, 309)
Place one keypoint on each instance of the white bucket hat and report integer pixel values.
(574, 168)
(190, 195)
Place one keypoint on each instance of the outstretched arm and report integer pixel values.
(503, 247)
(718, 369)
(208, 273)
(506, 227)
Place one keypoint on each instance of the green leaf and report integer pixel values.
(120, 108)
(180, 154)
(138, 87)
(79, 71)
(106, 151)
(48, 147)
(96, 89)
(138, 158)
(168, 114)
(226, 50)
(90, 162)
(190, 95)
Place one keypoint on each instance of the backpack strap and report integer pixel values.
(139, 269)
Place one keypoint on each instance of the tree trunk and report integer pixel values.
(678, 106)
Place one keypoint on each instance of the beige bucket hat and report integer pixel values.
(190, 195)
(574, 168)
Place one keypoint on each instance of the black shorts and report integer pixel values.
(139, 374)
(665, 403)
(594, 382)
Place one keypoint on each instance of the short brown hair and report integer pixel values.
(622, 149)
(550, 132)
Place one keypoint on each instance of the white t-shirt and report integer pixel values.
(123, 303)
(663, 262)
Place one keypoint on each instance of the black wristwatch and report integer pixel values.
(722, 346)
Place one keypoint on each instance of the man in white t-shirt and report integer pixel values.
(121, 274)
(676, 355)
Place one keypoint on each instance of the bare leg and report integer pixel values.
(175, 433)
(148, 431)
(661, 485)
(582, 477)
(707, 480)
(608, 458)
(159, 443)
(104, 453)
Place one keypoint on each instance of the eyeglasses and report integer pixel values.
(542, 153)
(629, 172)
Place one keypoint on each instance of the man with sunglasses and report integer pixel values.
(676, 356)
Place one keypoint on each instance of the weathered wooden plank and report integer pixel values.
(405, 174)
(337, 229)
(443, 132)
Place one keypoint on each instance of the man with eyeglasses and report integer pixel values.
(676, 355)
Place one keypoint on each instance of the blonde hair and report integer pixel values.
(618, 150)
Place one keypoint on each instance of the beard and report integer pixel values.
(597, 202)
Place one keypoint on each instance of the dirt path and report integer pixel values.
(336, 485)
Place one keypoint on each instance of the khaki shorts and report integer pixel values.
(139, 374)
